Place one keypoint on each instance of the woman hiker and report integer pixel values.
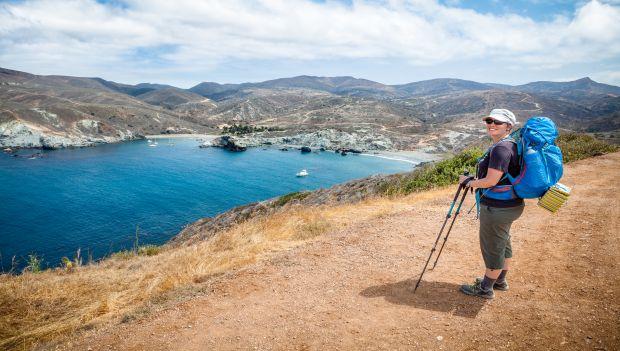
(496, 216)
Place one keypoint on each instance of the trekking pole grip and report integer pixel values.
(466, 174)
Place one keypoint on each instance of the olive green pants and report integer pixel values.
(495, 223)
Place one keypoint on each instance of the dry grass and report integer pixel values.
(35, 308)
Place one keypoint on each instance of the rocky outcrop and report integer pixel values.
(229, 143)
(328, 139)
(17, 133)
(347, 150)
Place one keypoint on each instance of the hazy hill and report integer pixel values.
(581, 88)
(170, 97)
(336, 85)
(440, 86)
(133, 90)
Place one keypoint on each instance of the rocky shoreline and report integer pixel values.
(18, 134)
(327, 139)
(22, 135)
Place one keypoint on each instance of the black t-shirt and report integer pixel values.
(504, 157)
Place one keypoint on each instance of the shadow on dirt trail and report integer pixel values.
(433, 296)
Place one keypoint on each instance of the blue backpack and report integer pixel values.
(540, 160)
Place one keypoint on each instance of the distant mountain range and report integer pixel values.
(437, 114)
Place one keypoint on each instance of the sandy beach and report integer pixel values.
(410, 156)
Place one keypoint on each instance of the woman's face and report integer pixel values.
(495, 130)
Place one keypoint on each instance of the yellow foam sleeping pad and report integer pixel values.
(554, 198)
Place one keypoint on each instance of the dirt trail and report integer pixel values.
(352, 288)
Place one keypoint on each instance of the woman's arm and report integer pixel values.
(492, 178)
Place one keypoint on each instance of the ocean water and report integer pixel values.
(92, 199)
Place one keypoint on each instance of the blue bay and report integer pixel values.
(93, 198)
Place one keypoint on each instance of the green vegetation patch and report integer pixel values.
(576, 146)
(145, 250)
(34, 264)
(442, 173)
(149, 250)
(284, 199)
(239, 129)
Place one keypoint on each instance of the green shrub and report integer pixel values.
(284, 199)
(34, 264)
(66, 263)
(145, 250)
(149, 250)
(577, 146)
(433, 175)
(240, 129)
(124, 254)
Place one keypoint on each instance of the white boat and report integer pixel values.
(153, 144)
(302, 173)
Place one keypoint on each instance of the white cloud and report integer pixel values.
(84, 36)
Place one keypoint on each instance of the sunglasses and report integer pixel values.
(494, 121)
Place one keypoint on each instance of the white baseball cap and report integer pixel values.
(502, 115)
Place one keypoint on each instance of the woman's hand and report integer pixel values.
(463, 179)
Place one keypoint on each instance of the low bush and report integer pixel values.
(149, 250)
(124, 254)
(145, 250)
(284, 199)
(432, 175)
(34, 264)
(576, 146)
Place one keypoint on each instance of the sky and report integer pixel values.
(185, 42)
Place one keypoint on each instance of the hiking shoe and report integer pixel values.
(476, 290)
(503, 286)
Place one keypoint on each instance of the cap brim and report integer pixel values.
(498, 118)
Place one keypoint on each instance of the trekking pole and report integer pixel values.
(456, 196)
(445, 239)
